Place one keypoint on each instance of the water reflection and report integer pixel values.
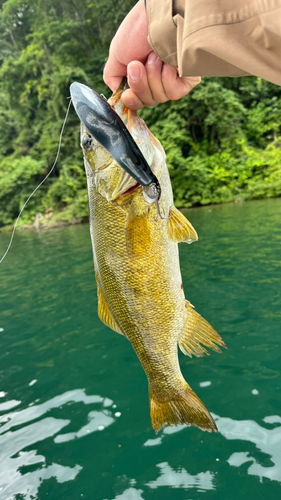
(97, 421)
(266, 440)
(8, 405)
(165, 432)
(182, 479)
(15, 475)
(12, 481)
(130, 494)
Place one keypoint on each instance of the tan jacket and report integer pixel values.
(218, 37)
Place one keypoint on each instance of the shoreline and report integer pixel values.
(46, 223)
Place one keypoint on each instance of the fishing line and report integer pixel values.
(39, 185)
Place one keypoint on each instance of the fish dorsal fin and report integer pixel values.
(179, 228)
(198, 331)
(104, 312)
(138, 238)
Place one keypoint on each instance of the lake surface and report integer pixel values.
(74, 412)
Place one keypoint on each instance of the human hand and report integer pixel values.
(151, 80)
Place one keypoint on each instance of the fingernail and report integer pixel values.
(134, 73)
(129, 103)
(151, 58)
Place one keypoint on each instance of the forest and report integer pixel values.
(222, 141)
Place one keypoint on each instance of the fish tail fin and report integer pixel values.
(181, 408)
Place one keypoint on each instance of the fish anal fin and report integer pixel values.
(198, 331)
(179, 228)
(138, 238)
(104, 312)
(183, 408)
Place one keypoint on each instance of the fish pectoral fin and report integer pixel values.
(104, 312)
(179, 228)
(138, 238)
(178, 409)
(198, 331)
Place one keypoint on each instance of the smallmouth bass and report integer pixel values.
(139, 284)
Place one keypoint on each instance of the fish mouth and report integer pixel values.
(131, 189)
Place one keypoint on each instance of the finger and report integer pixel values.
(131, 100)
(113, 72)
(190, 82)
(154, 76)
(175, 86)
(137, 79)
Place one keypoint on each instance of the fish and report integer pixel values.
(139, 284)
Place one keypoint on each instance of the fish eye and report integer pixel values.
(87, 141)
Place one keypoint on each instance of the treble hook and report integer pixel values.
(152, 194)
(159, 215)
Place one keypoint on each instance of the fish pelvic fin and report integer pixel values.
(104, 311)
(179, 228)
(183, 408)
(198, 331)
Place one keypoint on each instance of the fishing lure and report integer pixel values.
(106, 126)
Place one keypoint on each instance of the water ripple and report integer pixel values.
(182, 479)
(266, 440)
(15, 478)
(130, 494)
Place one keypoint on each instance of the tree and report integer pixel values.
(222, 140)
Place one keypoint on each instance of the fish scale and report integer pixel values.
(138, 274)
(156, 308)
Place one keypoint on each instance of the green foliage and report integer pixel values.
(44, 47)
(17, 176)
(222, 141)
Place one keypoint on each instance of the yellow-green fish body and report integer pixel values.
(138, 276)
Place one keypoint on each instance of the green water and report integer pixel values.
(74, 415)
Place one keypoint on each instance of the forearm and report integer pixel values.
(218, 37)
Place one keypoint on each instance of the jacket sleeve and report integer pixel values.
(218, 37)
